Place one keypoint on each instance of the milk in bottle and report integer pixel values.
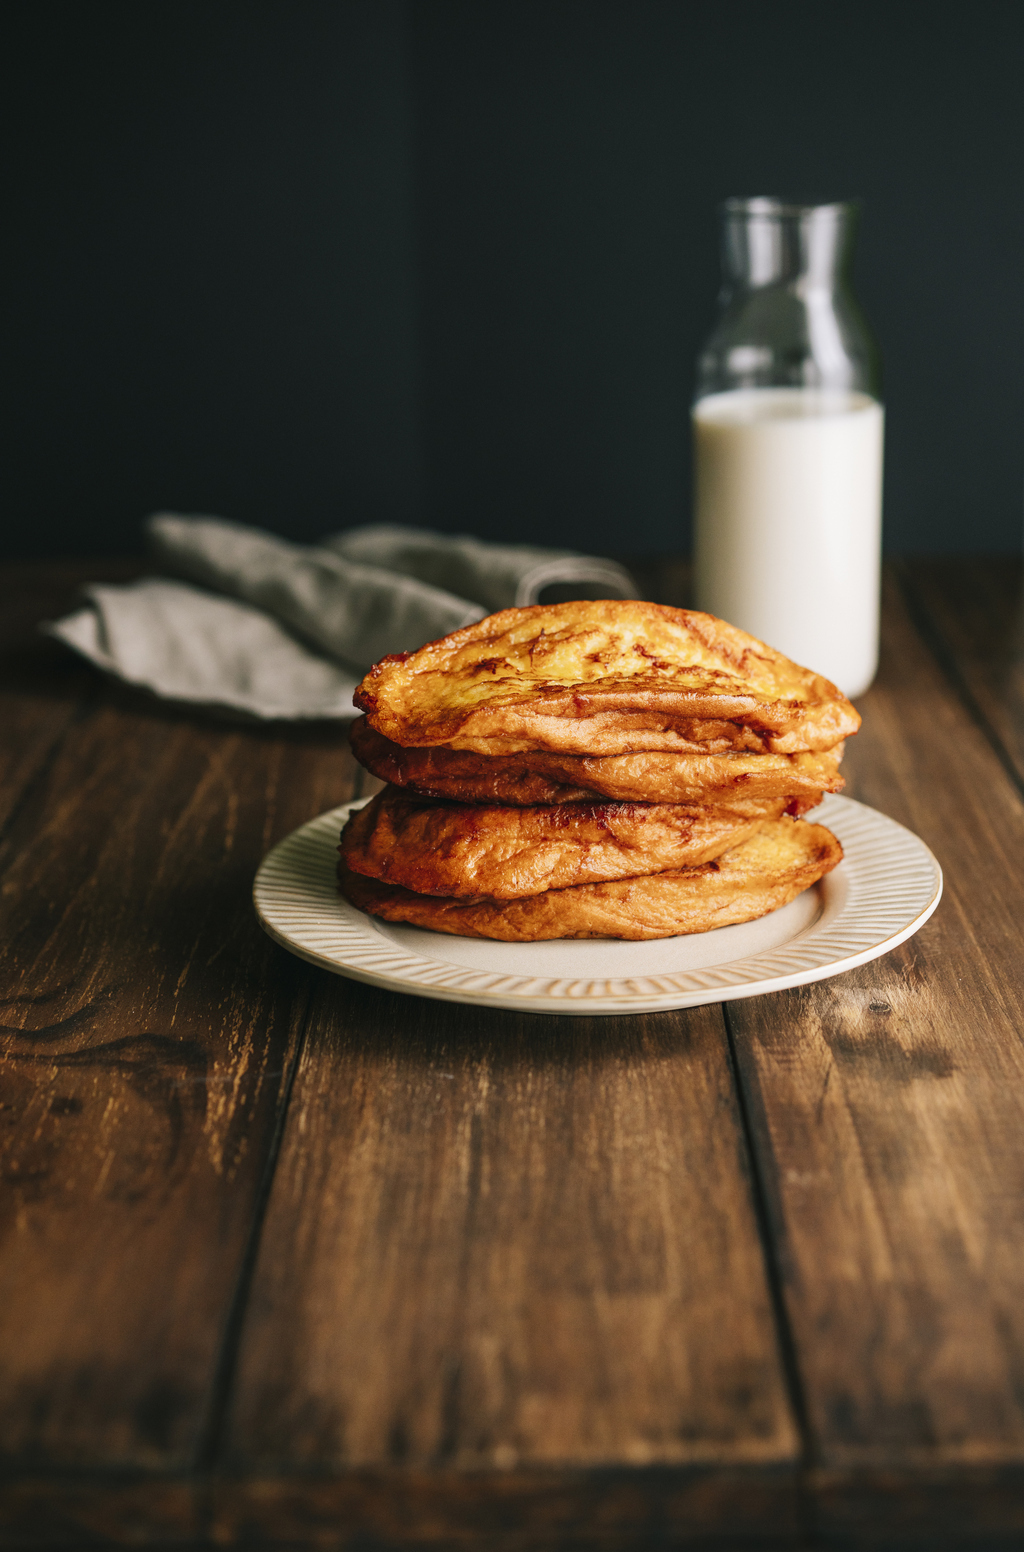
(788, 446)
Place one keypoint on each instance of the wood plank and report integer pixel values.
(972, 609)
(969, 1509)
(508, 1241)
(103, 1510)
(515, 1511)
(42, 686)
(149, 1029)
(887, 1107)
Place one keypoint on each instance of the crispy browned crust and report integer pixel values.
(607, 677)
(771, 868)
(469, 851)
(748, 784)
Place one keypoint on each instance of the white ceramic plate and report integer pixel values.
(886, 887)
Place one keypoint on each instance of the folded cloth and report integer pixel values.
(300, 623)
(499, 576)
(187, 645)
(354, 613)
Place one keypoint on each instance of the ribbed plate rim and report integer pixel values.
(887, 886)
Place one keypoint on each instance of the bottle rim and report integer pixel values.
(773, 208)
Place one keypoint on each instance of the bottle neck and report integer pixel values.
(788, 317)
(766, 242)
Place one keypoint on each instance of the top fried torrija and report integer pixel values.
(603, 678)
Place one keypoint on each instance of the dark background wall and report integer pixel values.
(322, 262)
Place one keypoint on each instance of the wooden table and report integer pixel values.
(291, 1262)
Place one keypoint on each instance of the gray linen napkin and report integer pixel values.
(354, 613)
(187, 645)
(298, 620)
(500, 576)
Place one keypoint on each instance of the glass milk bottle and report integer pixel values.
(787, 427)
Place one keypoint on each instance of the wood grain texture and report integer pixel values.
(718, 1510)
(972, 612)
(509, 1290)
(42, 687)
(148, 1029)
(970, 1509)
(888, 1112)
(104, 1509)
(498, 1240)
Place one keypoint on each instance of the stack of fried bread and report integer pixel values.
(607, 769)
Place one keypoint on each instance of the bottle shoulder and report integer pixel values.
(788, 336)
